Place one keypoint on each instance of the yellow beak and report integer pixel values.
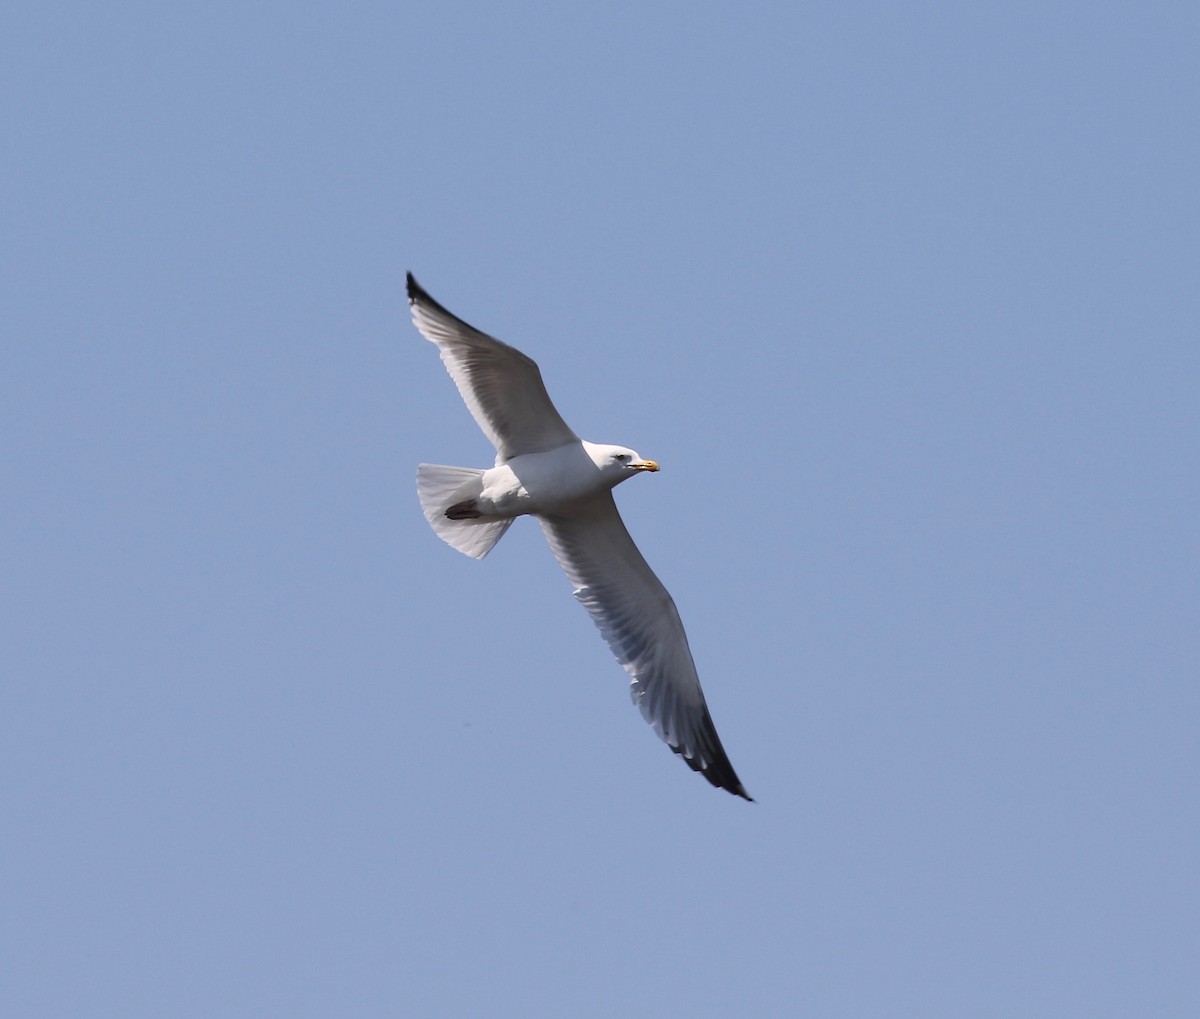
(645, 465)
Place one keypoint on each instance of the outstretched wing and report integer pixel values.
(501, 387)
(642, 626)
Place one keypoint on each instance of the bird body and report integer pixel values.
(544, 470)
(556, 480)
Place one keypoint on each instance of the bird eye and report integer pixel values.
(623, 457)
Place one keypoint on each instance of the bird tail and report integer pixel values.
(440, 488)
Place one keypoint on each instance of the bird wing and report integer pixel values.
(638, 619)
(501, 387)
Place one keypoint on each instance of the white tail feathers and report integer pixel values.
(440, 487)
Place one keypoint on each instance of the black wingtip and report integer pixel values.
(725, 778)
(417, 294)
(717, 771)
(714, 765)
(415, 290)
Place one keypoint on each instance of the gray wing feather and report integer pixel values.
(637, 617)
(501, 387)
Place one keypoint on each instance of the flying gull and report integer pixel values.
(544, 470)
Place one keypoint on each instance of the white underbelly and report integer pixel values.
(541, 482)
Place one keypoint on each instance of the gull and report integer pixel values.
(544, 470)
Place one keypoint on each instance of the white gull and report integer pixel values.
(544, 470)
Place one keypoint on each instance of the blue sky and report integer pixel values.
(902, 297)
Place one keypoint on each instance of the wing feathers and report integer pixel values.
(501, 387)
(638, 619)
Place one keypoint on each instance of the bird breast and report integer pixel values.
(545, 482)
